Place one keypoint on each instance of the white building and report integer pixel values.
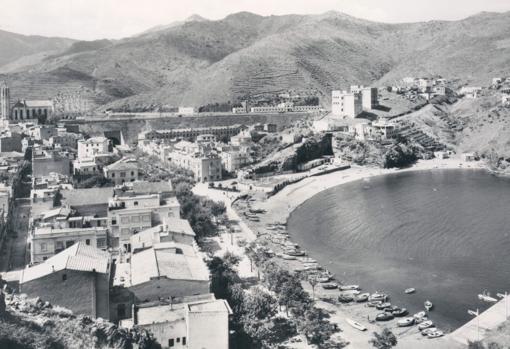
(122, 171)
(186, 111)
(93, 146)
(200, 323)
(369, 98)
(346, 104)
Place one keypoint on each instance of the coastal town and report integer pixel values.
(256, 182)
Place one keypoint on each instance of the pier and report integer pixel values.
(477, 328)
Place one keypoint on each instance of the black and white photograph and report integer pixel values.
(254, 174)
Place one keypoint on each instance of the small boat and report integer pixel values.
(426, 331)
(408, 321)
(288, 258)
(400, 312)
(345, 298)
(428, 305)
(296, 253)
(487, 298)
(383, 317)
(373, 304)
(383, 306)
(349, 287)
(409, 290)
(362, 297)
(323, 278)
(355, 292)
(392, 309)
(329, 286)
(420, 315)
(378, 297)
(356, 325)
(435, 334)
(424, 325)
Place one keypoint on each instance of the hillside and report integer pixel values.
(35, 324)
(246, 55)
(17, 46)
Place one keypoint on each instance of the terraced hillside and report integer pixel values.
(199, 62)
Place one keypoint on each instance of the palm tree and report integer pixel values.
(312, 279)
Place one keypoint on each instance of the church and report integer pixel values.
(22, 109)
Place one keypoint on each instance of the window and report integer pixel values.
(146, 218)
(113, 175)
(87, 241)
(124, 220)
(183, 340)
(135, 219)
(64, 277)
(69, 243)
(101, 242)
(114, 221)
(178, 339)
(171, 342)
(122, 174)
(132, 173)
(135, 203)
(44, 247)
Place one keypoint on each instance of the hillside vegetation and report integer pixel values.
(199, 61)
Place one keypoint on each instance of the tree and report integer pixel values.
(385, 340)
(315, 326)
(57, 199)
(476, 345)
(312, 280)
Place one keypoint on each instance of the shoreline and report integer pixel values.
(278, 209)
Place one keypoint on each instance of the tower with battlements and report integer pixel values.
(5, 101)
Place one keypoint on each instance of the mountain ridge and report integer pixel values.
(245, 55)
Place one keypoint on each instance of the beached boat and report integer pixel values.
(400, 312)
(383, 306)
(435, 334)
(409, 290)
(345, 298)
(378, 297)
(408, 321)
(329, 286)
(288, 258)
(323, 278)
(383, 317)
(362, 297)
(428, 305)
(356, 325)
(426, 331)
(349, 287)
(295, 253)
(425, 324)
(420, 315)
(373, 304)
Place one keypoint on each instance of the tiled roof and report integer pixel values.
(162, 262)
(80, 257)
(123, 164)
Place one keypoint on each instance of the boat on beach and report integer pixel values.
(373, 304)
(349, 287)
(384, 317)
(383, 306)
(362, 297)
(400, 312)
(426, 331)
(344, 298)
(329, 286)
(408, 321)
(435, 334)
(424, 325)
(356, 325)
(377, 296)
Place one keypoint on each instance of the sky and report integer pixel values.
(114, 19)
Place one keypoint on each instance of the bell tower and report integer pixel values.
(5, 101)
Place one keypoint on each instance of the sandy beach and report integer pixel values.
(277, 210)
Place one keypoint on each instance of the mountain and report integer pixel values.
(247, 55)
(16, 46)
(192, 18)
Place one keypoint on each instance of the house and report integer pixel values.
(166, 270)
(369, 98)
(234, 158)
(175, 229)
(88, 148)
(47, 241)
(468, 157)
(199, 322)
(77, 278)
(124, 170)
(23, 109)
(186, 111)
(470, 91)
(10, 141)
(163, 188)
(345, 103)
(88, 201)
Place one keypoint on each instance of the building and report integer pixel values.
(46, 161)
(42, 132)
(346, 104)
(220, 132)
(186, 111)
(241, 139)
(47, 241)
(200, 322)
(369, 98)
(88, 148)
(26, 110)
(384, 129)
(77, 278)
(470, 91)
(124, 170)
(5, 101)
(10, 141)
(234, 158)
(129, 215)
(166, 270)
(203, 161)
(505, 100)
(175, 230)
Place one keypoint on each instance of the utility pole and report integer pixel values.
(505, 296)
